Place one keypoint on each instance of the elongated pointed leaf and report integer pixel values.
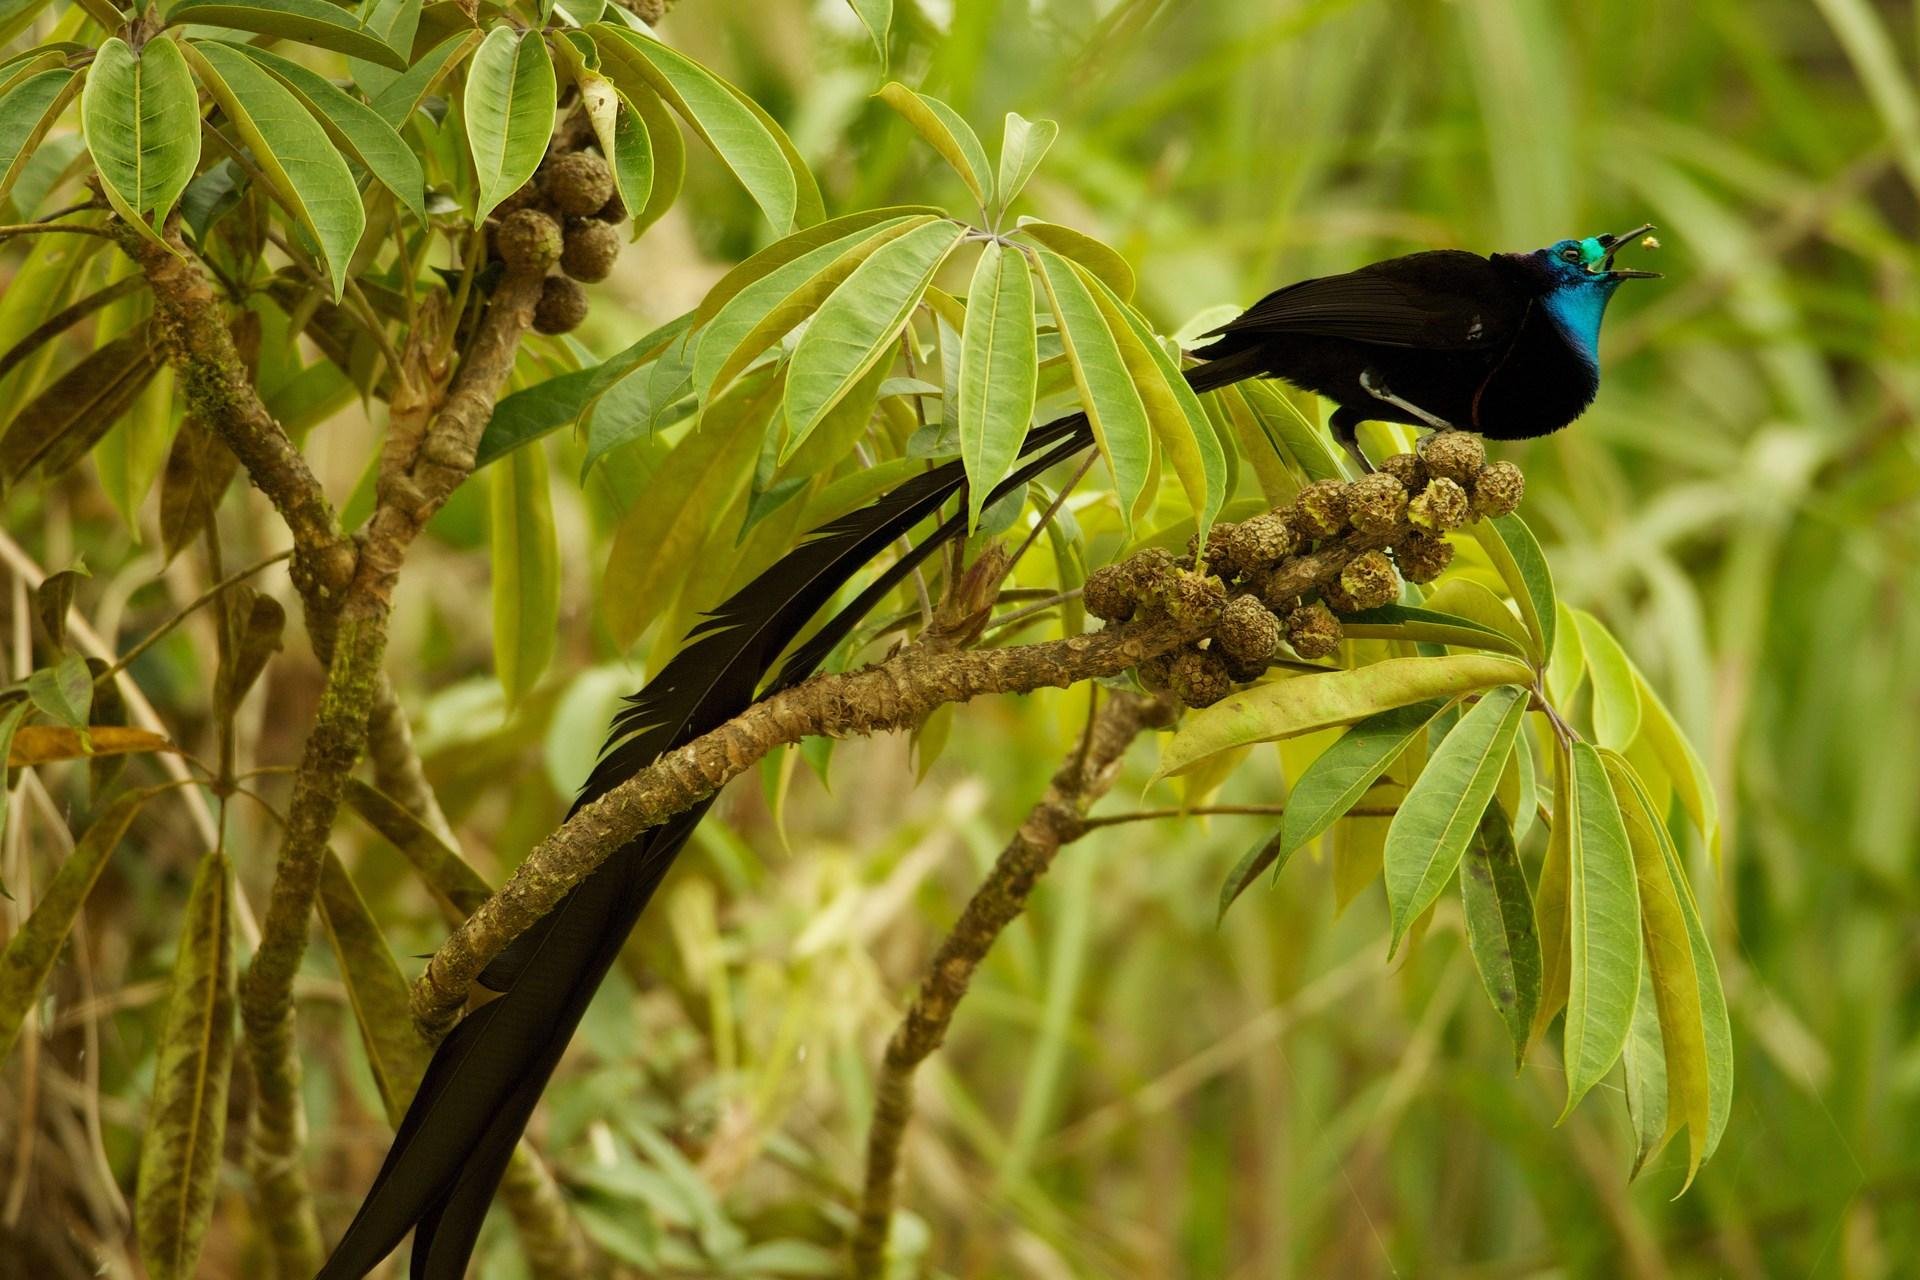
(1180, 428)
(1500, 928)
(1267, 852)
(1616, 696)
(142, 122)
(1567, 667)
(394, 23)
(1426, 626)
(1306, 443)
(27, 111)
(45, 743)
(1643, 1063)
(999, 370)
(308, 176)
(1301, 704)
(400, 98)
(1691, 781)
(187, 1117)
(355, 128)
(63, 691)
(57, 427)
(877, 17)
(669, 151)
(1517, 557)
(1114, 408)
(1468, 599)
(859, 323)
(1341, 774)
(1023, 146)
(1603, 929)
(310, 22)
(1077, 247)
(526, 571)
(11, 714)
(448, 876)
(1441, 813)
(788, 248)
(396, 1054)
(623, 139)
(942, 128)
(509, 105)
(30, 953)
(1552, 891)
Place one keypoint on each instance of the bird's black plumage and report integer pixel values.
(1462, 337)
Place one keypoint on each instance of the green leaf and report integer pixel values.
(396, 102)
(526, 571)
(1442, 809)
(1616, 696)
(658, 537)
(941, 128)
(57, 427)
(788, 248)
(1082, 249)
(1426, 626)
(1023, 146)
(251, 625)
(27, 111)
(309, 22)
(307, 176)
(509, 104)
(1691, 781)
(458, 887)
(64, 691)
(11, 714)
(1500, 929)
(142, 122)
(1465, 598)
(1603, 929)
(742, 135)
(999, 370)
(1113, 403)
(623, 139)
(1341, 774)
(877, 17)
(529, 414)
(1303, 703)
(1270, 852)
(1567, 667)
(1643, 1062)
(30, 953)
(767, 309)
(669, 152)
(394, 23)
(1517, 558)
(187, 1118)
(1552, 890)
(1180, 428)
(858, 324)
(355, 128)
(396, 1055)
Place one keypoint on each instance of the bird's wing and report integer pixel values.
(1444, 300)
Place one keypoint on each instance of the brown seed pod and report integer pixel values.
(525, 198)
(1497, 490)
(1192, 599)
(1454, 455)
(1369, 580)
(1248, 633)
(1153, 672)
(1313, 631)
(527, 241)
(1422, 556)
(1199, 677)
(1147, 571)
(1442, 505)
(1407, 469)
(1220, 558)
(1261, 542)
(1320, 509)
(589, 250)
(562, 306)
(614, 210)
(576, 182)
(1338, 599)
(1108, 594)
(1376, 503)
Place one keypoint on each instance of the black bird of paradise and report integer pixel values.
(1505, 346)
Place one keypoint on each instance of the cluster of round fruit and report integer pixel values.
(569, 215)
(1249, 589)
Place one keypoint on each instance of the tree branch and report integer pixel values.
(1058, 819)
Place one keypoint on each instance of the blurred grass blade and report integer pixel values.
(998, 371)
(1517, 556)
(187, 1117)
(1616, 696)
(1341, 774)
(943, 129)
(509, 104)
(309, 22)
(1500, 928)
(1603, 930)
(1442, 810)
(141, 117)
(1023, 145)
(525, 555)
(1113, 405)
(396, 1055)
(1301, 704)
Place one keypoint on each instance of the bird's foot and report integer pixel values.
(1371, 383)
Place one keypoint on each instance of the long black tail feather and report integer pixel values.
(480, 1089)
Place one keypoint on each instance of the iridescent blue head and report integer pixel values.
(1576, 278)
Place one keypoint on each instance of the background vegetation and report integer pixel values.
(1129, 1089)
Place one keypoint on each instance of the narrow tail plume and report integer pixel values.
(480, 1089)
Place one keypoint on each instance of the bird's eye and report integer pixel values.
(1569, 254)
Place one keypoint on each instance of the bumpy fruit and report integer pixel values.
(1442, 505)
(527, 241)
(1313, 631)
(1407, 469)
(1376, 503)
(1262, 542)
(1422, 557)
(1147, 572)
(614, 210)
(1454, 455)
(1108, 594)
(1248, 632)
(1192, 599)
(589, 250)
(1498, 489)
(576, 182)
(1219, 549)
(1320, 510)
(1199, 677)
(562, 306)
(1369, 580)
(525, 198)
(1154, 672)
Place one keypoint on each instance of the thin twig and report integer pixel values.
(212, 593)
(1219, 810)
(48, 228)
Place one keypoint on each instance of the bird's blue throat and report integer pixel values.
(1578, 309)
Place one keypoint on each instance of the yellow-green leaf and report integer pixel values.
(1670, 745)
(1603, 929)
(509, 105)
(1616, 697)
(1023, 145)
(1341, 774)
(943, 129)
(1426, 626)
(1567, 666)
(1114, 407)
(1465, 598)
(1082, 249)
(27, 111)
(1500, 928)
(1518, 559)
(309, 22)
(525, 557)
(398, 100)
(999, 371)
(187, 1118)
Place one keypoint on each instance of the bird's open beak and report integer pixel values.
(1613, 245)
